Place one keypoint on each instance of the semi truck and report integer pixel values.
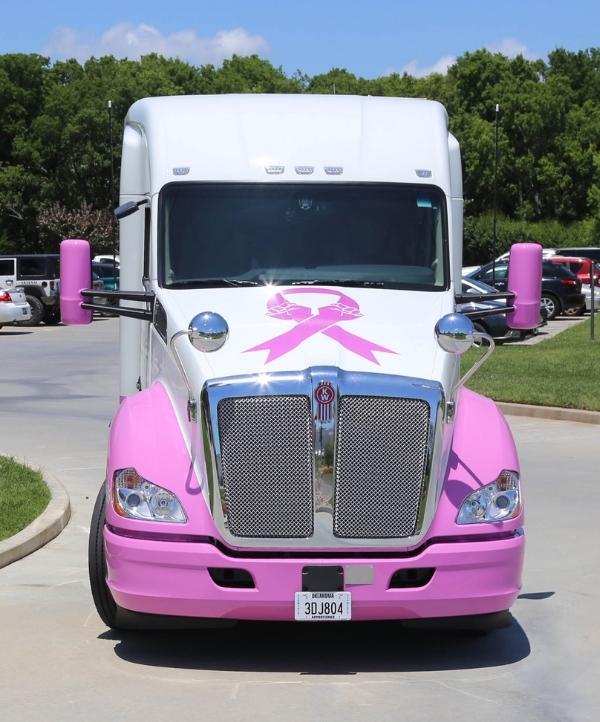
(294, 440)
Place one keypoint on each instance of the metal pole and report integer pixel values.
(592, 304)
(495, 209)
(112, 203)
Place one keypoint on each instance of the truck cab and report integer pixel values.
(293, 441)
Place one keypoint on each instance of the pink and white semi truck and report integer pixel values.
(294, 440)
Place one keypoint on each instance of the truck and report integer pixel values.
(294, 441)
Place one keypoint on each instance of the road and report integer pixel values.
(58, 390)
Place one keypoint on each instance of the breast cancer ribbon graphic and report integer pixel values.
(325, 321)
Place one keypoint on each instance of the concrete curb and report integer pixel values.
(550, 412)
(48, 525)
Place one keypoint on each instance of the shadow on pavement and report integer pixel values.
(321, 649)
(11, 332)
(536, 595)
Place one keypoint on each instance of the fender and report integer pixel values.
(146, 435)
(482, 446)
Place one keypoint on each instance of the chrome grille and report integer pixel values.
(266, 465)
(381, 460)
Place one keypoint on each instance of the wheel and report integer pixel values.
(37, 312)
(111, 614)
(105, 604)
(52, 318)
(551, 304)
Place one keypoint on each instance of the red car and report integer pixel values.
(580, 267)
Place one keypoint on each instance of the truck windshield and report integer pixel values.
(384, 235)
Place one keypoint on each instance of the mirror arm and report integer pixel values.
(138, 313)
(142, 314)
(491, 346)
(487, 312)
(142, 296)
(478, 297)
(192, 404)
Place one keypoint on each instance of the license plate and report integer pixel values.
(323, 606)
(25, 311)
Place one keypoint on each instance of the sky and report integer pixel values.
(369, 38)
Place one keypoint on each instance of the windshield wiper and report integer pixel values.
(338, 282)
(213, 283)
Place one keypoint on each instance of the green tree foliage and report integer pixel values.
(55, 157)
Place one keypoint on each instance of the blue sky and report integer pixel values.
(368, 38)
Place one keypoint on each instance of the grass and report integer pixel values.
(561, 371)
(23, 496)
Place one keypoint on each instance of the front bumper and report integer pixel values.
(172, 578)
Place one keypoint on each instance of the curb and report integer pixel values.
(48, 525)
(550, 412)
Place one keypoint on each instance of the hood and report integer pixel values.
(281, 328)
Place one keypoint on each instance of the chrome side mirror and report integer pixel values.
(208, 331)
(455, 333)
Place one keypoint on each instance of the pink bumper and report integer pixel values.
(171, 578)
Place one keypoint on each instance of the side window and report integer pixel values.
(575, 266)
(7, 267)
(501, 273)
(32, 267)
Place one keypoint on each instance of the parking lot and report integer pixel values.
(58, 391)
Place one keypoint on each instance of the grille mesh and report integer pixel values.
(266, 462)
(380, 466)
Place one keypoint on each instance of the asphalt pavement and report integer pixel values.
(58, 391)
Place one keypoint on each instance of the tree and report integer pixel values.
(98, 226)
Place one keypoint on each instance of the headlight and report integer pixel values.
(137, 498)
(498, 501)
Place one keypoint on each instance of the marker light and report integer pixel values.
(498, 501)
(137, 498)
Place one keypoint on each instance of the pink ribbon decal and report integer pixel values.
(307, 325)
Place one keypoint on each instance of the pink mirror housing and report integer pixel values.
(525, 281)
(75, 275)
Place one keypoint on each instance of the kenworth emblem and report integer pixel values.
(324, 396)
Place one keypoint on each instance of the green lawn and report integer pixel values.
(561, 371)
(23, 496)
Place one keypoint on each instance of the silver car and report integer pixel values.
(13, 306)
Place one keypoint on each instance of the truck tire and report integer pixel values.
(111, 614)
(105, 604)
(37, 312)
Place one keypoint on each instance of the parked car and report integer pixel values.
(469, 270)
(561, 289)
(108, 273)
(38, 276)
(581, 267)
(13, 306)
(586, 252)
(107, 259)
(495, 326)
(586, 289)
(98, 285)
